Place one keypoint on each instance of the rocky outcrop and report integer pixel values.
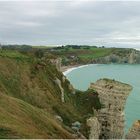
(129, 56)
(59, 118)
(95, 129)
(134, 57)
(76, 126)
(134, 132)
(57, 63)
(70, 87)
(112, 95)
(58, 82)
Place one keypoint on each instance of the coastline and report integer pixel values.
(67, 69)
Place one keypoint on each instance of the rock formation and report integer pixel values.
(57, 63)
(113, 96)
(58, 82)
(94, 125)
(76, 126)
(134, 132)
(130, 56)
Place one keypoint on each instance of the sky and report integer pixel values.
(90, 22)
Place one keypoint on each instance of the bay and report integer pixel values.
(83, 76)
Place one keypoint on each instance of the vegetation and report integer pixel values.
(74, 54)
(81, 54)
(88, 99)
(30, 99)
(13, 54)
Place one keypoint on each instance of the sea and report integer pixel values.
(82, 76)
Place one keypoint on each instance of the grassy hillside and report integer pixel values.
(81, 55)
(18, 119)
(72, 55)
(85, 53)
(30, 99)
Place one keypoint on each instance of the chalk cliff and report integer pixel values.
(112, 95)
(95, 129)
(134, 132)
(130, 56)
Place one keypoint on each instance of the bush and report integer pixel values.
(39, 53)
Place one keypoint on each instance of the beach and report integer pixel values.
(68, 69)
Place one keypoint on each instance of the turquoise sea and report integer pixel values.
(83, 76)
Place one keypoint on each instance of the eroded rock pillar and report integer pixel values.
(112, 95)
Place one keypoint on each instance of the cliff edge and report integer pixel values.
(134, 132)
(112, 95)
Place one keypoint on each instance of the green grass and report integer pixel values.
(82, 52)
(23, 100)
(30, 99)
(41, 47)
(74, 56)
(19, 119)
(12, 54)
(82, 55)
(96, 53)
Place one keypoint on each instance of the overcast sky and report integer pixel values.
(108, 23)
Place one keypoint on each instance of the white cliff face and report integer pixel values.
(112, 95)
(134, 132)
(94, 125)
(58, 82)
(70, 87)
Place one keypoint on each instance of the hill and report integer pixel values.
(73, 55)
(31, 99)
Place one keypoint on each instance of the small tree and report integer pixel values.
(39, 53)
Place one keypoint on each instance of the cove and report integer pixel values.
(83, 76)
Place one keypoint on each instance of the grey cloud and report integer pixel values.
(70, 22)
